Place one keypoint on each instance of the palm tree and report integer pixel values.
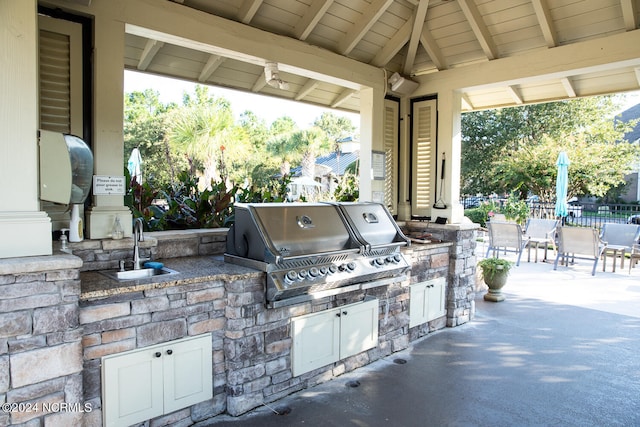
(310, 143)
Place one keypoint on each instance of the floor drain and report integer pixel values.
(353, 384)
(399, 361)
(282, 410)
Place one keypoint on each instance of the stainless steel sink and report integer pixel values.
(143, 273)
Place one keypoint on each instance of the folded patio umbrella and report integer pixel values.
(562, 183)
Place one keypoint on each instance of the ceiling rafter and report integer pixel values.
(545, 21)
(637, 71)
(479, 28)
(260, 83)
(344, 95)
(394, 45)
(429, 44)
(357, 32)
(150, 50)
(630, 14)
(248, 10)
(210, 67)
(568, 87)
(308, 87)
(515, 95)
(466, 102)
(419, 16)
(310, 19)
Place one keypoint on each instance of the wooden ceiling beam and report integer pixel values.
(210, 67)
(434, 52)
(308, 87)
(513, 92)
(545, 21)
(344, 95)
(414, 41)
(568, 87)
(248, 10)
(150, 50)
(630, 14)
(310, 19)
(357, 32)
(470, 11)
(394, 45)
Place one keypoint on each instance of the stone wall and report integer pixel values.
(105, 254)
(51, 342)
(461, 278)
(40, 342)
(140, 319)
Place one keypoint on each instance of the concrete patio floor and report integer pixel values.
(562, 350)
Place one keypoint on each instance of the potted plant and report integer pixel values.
(494, 273)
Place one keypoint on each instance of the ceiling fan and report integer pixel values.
(272, 76)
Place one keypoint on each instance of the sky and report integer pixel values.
(265, 107)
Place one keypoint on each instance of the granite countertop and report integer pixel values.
(189, 270)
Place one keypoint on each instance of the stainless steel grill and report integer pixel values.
(310, 250)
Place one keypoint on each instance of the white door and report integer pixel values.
(358, 328)
(132, 389)
(316, 341)
(187, 373)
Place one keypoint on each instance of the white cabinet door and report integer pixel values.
(187, 373)
(141, 384)
(426, 301)
(323, 338)
(132, 388)
(418, 301)
(358, 328)
(316, 341)
(435, 305)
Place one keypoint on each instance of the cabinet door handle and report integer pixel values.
(338, 315)
(345, 313)
(157, 354)
(169, 352)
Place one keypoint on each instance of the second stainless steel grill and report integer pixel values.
(310, 250)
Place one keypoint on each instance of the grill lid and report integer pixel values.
(373, 225)
(272, 232)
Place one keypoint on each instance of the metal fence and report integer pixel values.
(583, 214)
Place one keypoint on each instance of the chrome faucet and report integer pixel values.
(138, 236)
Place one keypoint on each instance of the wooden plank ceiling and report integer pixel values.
(411, 37)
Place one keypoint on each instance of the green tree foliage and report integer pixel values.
(201, 137)
(516, 148)
(336, 127)
(145, 128)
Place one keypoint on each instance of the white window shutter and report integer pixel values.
(60, 75)
(391, 114)
(423, 157)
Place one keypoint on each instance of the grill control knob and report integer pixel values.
(314, 272)
(291, 276)
(351, 266)
(333, 268)
(379, 261)
(302, 274)
(323, 271)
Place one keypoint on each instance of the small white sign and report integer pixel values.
(108, 185)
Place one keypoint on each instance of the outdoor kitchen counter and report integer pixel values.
(190, 270)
